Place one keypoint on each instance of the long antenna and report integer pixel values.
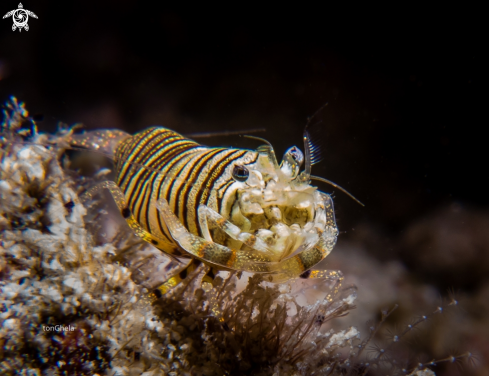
(224, 133)
(259, 139)
(268, 149)
(317, 112)
(336, 186)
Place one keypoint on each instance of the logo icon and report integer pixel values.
(20, 17)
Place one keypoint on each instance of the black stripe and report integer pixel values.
(201, 164)
(227, 185)
(145, 207)
(140, 180)
(207, 186)
(140, 149)
(222, 166)
(128, 155)
(170, 188)
(155, 137)
(219, 199)
(144, 200)
(150, 177)
(158, 136)
(137, 158)
(175, 161)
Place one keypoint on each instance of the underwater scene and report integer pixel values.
(192, 194)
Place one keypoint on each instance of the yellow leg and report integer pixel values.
(304, 260)
(206, 215)
(220, 255)
(182, 275)
(213, 253)
(179, 277)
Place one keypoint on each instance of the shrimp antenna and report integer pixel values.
(259, 139)
(225, 133)
(317, 112)
(312, 152)
(267, 149)
(336, 186)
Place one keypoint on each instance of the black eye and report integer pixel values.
(296, 154)
(240, 173)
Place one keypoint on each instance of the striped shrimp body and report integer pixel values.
(233, 209)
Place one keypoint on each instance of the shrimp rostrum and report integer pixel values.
(232, 209)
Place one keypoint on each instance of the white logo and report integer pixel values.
(20, 17)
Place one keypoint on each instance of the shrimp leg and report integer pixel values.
(206, 215)
(210, 252)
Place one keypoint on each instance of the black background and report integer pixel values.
(405, 124)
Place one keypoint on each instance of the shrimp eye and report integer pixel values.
(296, 154)
(240, 173)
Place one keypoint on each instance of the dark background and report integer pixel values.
(405, 124)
